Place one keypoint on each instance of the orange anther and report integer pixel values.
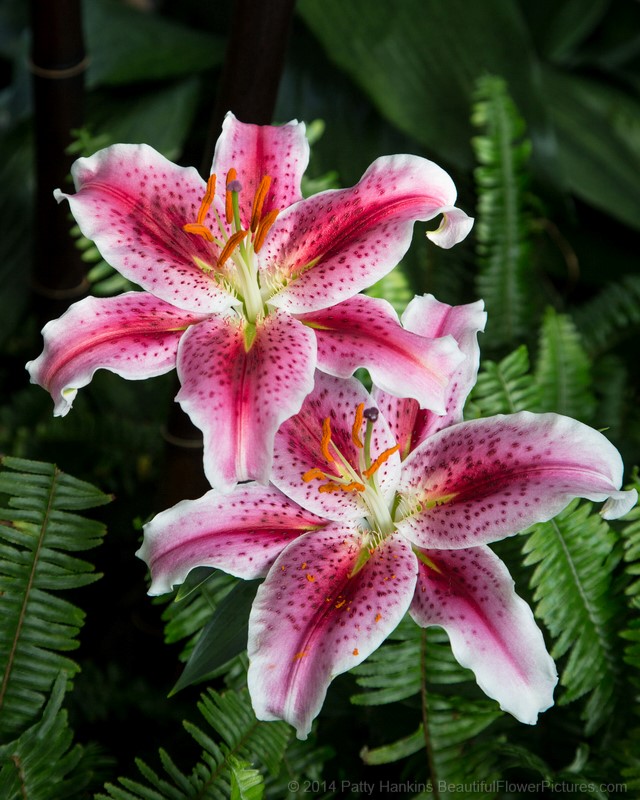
(300, 655)
(258, 202)
(208, 198)
(380, 461)
(378, 618)
(232, 175)
(355, 431)
(310, 577)
(355, 651)
(263, 229)
(303, 565)
(354, 486)
(232, 242)
(199, 230)
(329, 488)
(326, 439)
(340, 603)
(311, 474)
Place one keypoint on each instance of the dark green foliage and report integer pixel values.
(43, 764)
(505, 280)
(37, 534)
(575, 555)
(563, 370)
(224, 767)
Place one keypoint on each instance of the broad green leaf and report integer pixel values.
(126, 45)
(418, 61)
(161, 118)
(599, 142)
(224, 636)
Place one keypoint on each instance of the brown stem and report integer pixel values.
(253, 66)
(248, 87)
(57, 65)
(425, 717)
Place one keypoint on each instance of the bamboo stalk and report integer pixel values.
(57, 64)
(248, 86)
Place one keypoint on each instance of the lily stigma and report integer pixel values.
(247, 287)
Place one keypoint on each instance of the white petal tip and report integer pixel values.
(455, 226)
(619, 504)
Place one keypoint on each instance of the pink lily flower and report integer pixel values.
(351, 536)
(248, 288)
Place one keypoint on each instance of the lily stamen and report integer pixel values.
(357, 423)
(207, 199)
(199, 229)
(233, 241)
(375, 466)
(326, 440)
(232, 176)
(263, 229)
(258, 202)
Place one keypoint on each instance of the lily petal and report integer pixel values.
(334, 244)
(238, 386)
(134, 335)
(132, 202)
(241, 534)
(482, 480)
(365, 332)
(311, 620)
(254, 151)
(299, 449)
(428, 317)
(454, 228)
(492, 631)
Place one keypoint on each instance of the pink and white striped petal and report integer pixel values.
(132, 202)
(281, 152)
(311, 620)
(428, 317)
(492, 631)
(240, 533)
(298, 449)
(239, 398)
(134, 335)
(482, 480)
(334, 244)
(365, 332)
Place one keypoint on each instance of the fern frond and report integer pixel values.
(394, 671)
(244, 741)
(42, 764)
(504, 387)
(36, 534)
(575, 555)
(502, 226)
(611, 316)
(563, 370)
(459, 753)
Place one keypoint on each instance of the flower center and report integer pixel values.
(361, 479)
(235, 266)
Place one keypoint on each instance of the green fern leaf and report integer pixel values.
(394, 671)
(42, 764)
(245, 742)
(611, 316)
(502, 226)
(246, 783)
(575, 555)
(36, 533)
(504, 387)
(563, 371)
